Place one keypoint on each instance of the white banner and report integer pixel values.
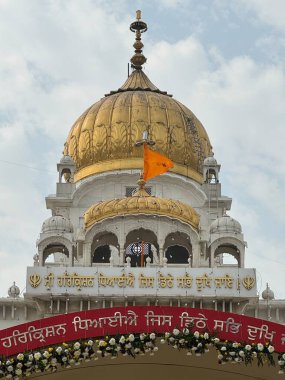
(160, 281)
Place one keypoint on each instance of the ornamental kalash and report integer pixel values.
(140, 250)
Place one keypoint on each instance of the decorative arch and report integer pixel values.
(178, 248)
(131, 339)
(56, 245)
(229, 246)
(105, 247)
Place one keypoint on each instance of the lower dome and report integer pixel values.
(144, 204)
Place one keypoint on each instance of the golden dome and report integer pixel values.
(141, 203)
(103, 137)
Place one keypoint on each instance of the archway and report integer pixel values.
(55, 254)
(104, 246)
(177, 254)
(178, 248)
(140, 245)
(227, 255)
(141, 253)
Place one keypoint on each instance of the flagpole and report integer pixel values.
(142, 255)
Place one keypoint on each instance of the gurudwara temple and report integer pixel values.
(140, 241)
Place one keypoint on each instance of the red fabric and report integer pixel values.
(24, 337)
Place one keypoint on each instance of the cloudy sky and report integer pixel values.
(224, 59)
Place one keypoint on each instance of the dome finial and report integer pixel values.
(138, 27)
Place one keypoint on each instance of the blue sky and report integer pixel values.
(224, 59)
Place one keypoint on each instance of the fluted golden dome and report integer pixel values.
(141, 203)
(103, 137)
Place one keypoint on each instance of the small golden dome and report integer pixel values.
(141, 203)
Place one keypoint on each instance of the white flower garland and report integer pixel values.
(74, 353)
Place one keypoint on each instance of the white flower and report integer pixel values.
(283, 356)
(20, 357)
(171, 339)
(37, 355)
(58, 350)
(77, 353)
(260, 347)
(216, 340)
(194, 348)
(136, 350)
(181, 341)
(131, 337)
(152, 336)
(76, 345)
(235, 345)
(175, 332)
(248, 347)
(281, 362)
(18, 371)
(206, 336)
(155, 348)
(10, 368)
(224, 348)
(220, 357)
(31, 357)
(167, 335)
(64, 358)
(112, 342)
(19, 365)
(46, 354)
(129, 345)
(90, 342)
(270, 349)
(186, 331)
(232, 353)
(9, 376)
(142, 336)
(196, 334)
(162, 341)
(101, 343)
(122, 339)
(241, 353)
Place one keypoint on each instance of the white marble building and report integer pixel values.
(110, 241)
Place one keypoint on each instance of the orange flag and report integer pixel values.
(154, 163)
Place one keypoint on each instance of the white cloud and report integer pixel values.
(268, 11)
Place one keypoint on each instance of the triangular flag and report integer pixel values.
(154, 163)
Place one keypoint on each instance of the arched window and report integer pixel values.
(55, 254)
(139, 252)
(227, 255)
(102, 254)
(211, 176)
(177, 254)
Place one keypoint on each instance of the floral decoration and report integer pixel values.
(50, 359)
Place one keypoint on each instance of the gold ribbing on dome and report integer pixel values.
(141, 203)
(102, 139)
(138, 27)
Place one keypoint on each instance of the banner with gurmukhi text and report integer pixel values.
(136, 319)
